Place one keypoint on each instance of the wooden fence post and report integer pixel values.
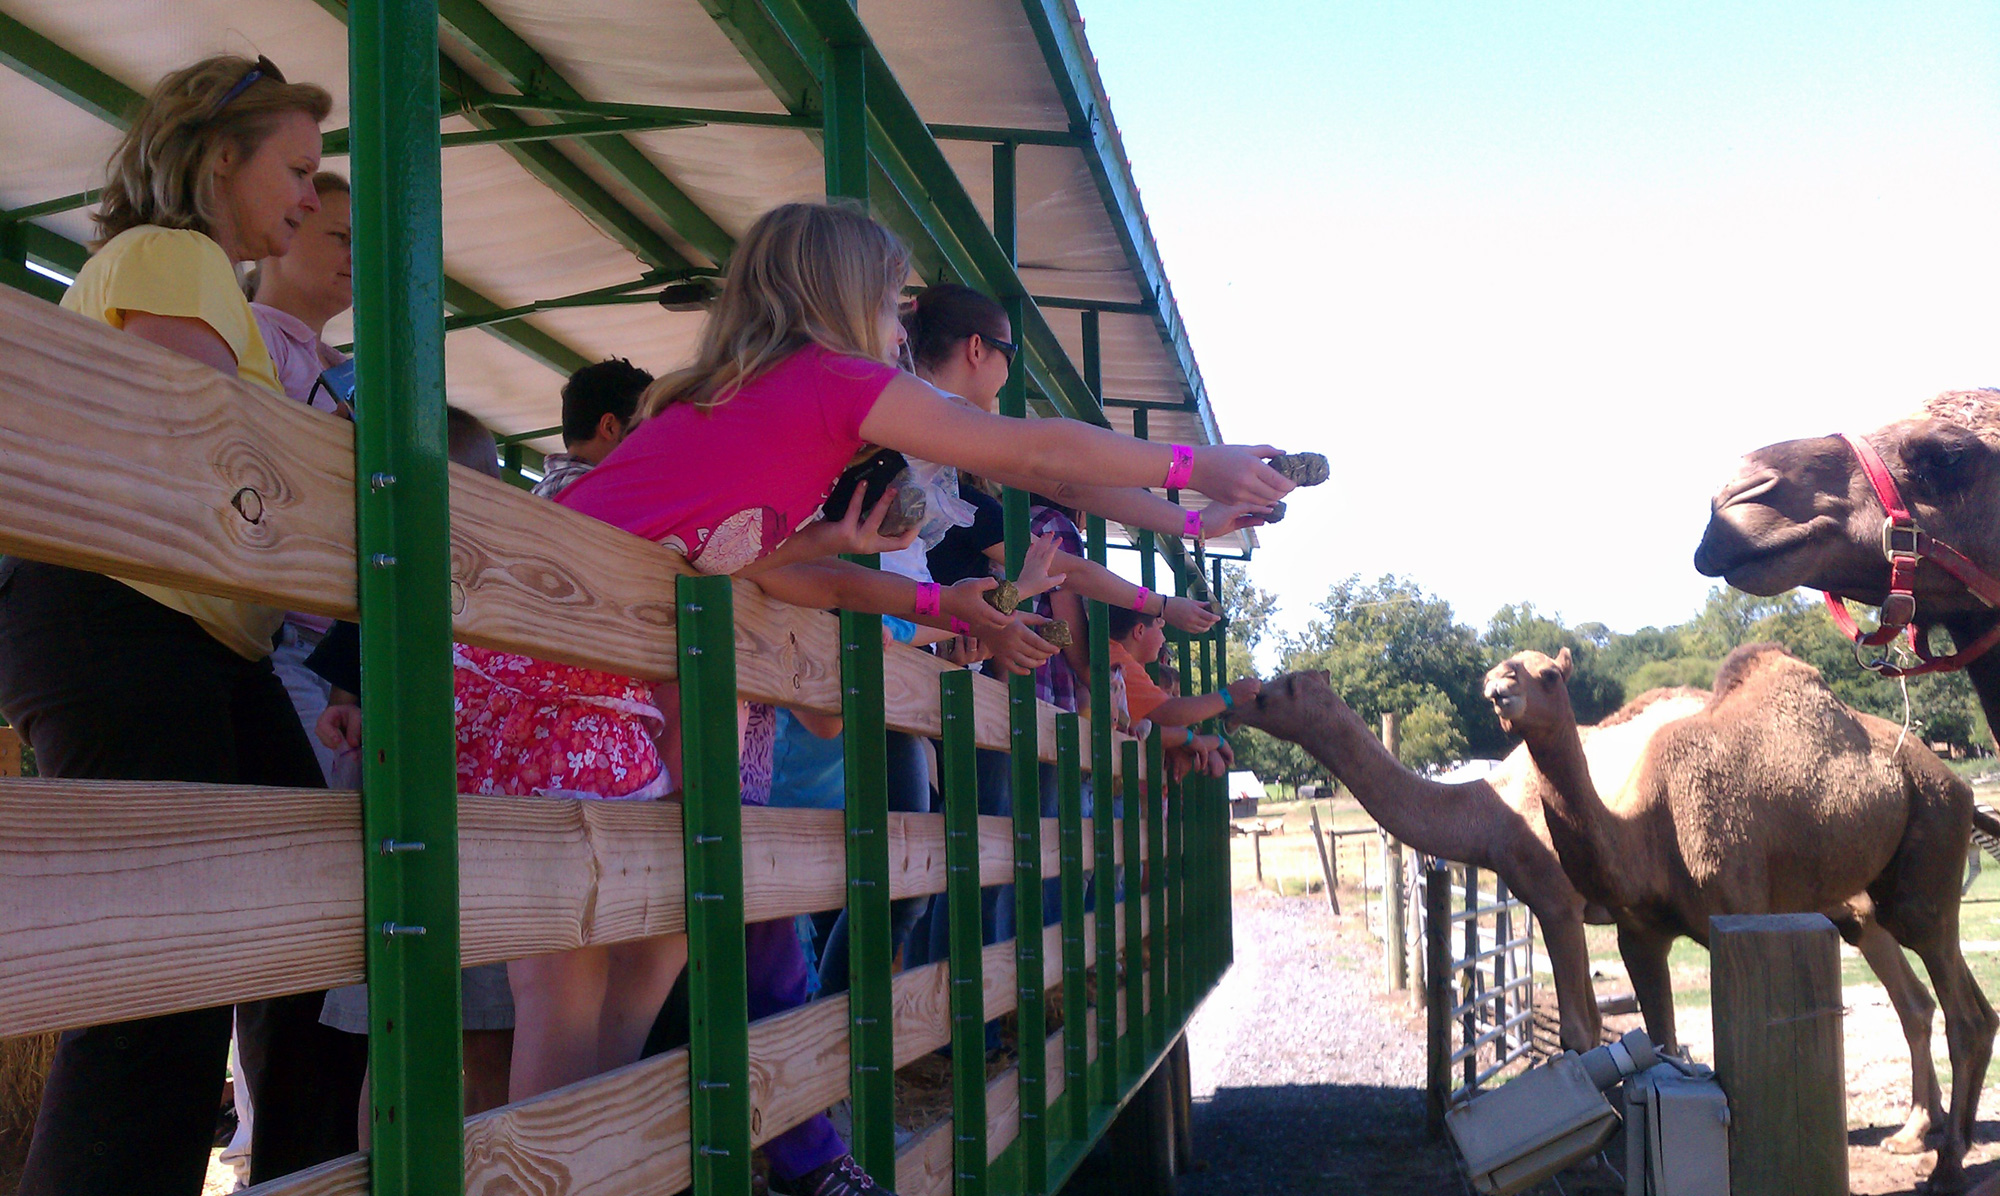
(1325, 867)
(1437, 994)
(1395, 941)
(1775, 985)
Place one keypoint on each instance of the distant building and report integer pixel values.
(1245, 791)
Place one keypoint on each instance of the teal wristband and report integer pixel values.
(1228, 700)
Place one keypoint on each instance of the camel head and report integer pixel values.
(1801, 512)
(1291, 706)
(1530, 691)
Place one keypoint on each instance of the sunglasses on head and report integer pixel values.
(263, 69)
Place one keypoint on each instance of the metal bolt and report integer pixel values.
(381, 481)
(694, 650)
(708, 838)
(398, 846)
(712, 1085)
(382, 560)
(712, 1151)
(393, 930)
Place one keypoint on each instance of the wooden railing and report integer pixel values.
(125, 899)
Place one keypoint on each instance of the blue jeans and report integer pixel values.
(810, 773)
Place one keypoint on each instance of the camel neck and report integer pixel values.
(1447, 821)
(1984, 673)
(1584, 830)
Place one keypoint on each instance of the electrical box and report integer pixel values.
(1676, 1133)
(1538, 1123)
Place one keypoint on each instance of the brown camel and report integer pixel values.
(1495, 824)
(1775, 798)
(1801, 513)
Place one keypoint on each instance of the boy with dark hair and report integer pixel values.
(598, 403)
(1136, 640)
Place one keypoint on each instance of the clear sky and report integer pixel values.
(1533, 275)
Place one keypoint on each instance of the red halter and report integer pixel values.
(1906, 545)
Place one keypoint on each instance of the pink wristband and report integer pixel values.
(1191, 527)
(929, 599)
(960, 626)
(1182, 469)
(1139, 603)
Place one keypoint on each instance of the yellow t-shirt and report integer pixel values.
(178, 272)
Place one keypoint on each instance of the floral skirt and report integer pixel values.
(531, 728)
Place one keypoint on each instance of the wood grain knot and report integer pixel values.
(457, 597)
(249, 504)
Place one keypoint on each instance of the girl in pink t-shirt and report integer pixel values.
(735, 455)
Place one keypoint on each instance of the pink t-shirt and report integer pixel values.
(726, 485)
(297, 353)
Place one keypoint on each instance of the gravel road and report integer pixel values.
(1307, 1077)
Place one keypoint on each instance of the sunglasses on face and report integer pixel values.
(1007, 347)
(263, 69)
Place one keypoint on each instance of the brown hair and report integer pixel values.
(470, 443)
(805, 273)
(943, 316)
(163, 171)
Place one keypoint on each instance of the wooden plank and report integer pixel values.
(122, 899)
(10, 752)
(627, 1131)
(1775, 980)
(121, 457)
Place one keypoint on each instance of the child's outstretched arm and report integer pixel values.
(914, 417)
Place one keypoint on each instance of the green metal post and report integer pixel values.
(958, 782)
(1225, 947)
(871, 1045)
(1214, 820)
(712, 837)
(1179, 796)
(1156, 891)
(1104, 793)
(1076, 1018)
(402, 509)
(1103, 789)
(845, 142)
(1134, 1039)
(1024, 749)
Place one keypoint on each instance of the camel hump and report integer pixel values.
(1651, 698)
(1976, 410)
(1752, 661)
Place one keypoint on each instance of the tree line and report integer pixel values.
(1388, 645)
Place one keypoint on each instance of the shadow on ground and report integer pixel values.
(1316, 1138)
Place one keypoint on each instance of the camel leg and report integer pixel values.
(1576, 999)
(1969, 1024)
(1645, 954)
(1914, 1008)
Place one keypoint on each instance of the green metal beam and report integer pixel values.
(113, 102)
(524, 68)
(551, 166)
(783, 40)
(1075, 75)
(62, 72)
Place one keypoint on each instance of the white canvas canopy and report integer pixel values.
(527, 222)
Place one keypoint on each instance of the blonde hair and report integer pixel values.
(163, 171)
(805, 273)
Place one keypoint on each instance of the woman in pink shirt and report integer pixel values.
(733, 459)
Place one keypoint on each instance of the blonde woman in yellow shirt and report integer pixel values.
(122, 680)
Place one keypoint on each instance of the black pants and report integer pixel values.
(107, 684)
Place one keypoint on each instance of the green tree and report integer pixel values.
(1390, 646)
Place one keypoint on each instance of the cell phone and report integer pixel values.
(875, 474)
(338, 383)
